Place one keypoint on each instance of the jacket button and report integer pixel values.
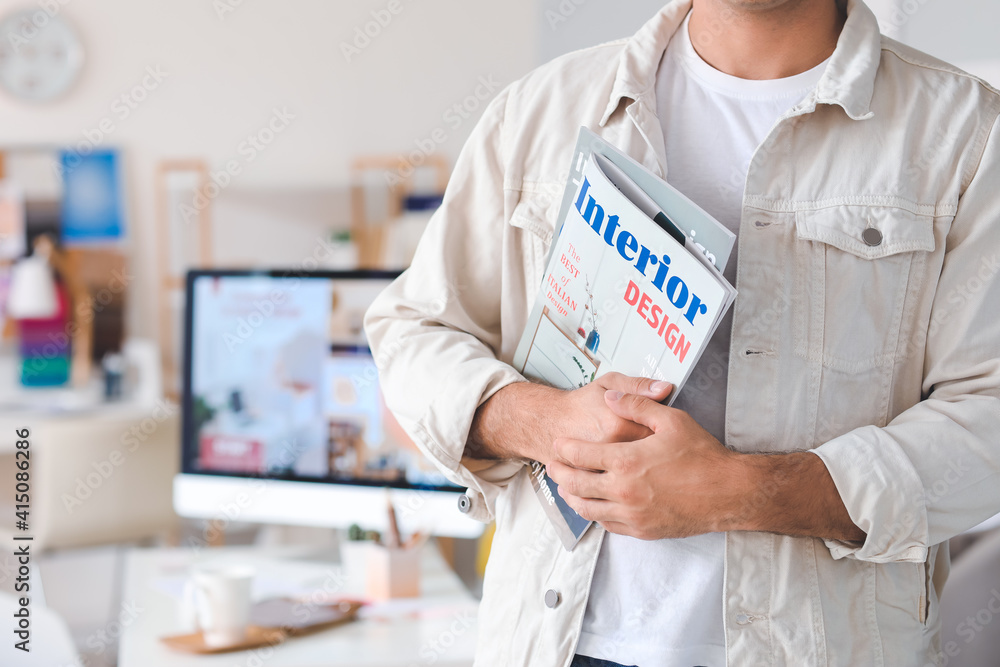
(552, 599)
(464, 504)
(743, 618)
(872, 236)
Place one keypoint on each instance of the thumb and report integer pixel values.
(638, 409)
(654, 389)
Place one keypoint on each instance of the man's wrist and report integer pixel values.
(789, 494)
(745, 496)
(515, 423)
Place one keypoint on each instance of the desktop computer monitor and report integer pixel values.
(283, 419)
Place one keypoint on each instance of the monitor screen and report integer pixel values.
(280, 383)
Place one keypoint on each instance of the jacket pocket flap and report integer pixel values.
(536, 212)
(895, 230)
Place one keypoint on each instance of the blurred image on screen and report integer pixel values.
(283, 384)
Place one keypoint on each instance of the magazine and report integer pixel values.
(626, 289)
(701, 229)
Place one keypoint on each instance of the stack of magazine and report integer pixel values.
(633, 285)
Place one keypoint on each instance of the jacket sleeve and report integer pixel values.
(435, 331)
(934, 471)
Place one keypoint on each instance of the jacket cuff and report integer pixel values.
(883, 494)
(444, 430)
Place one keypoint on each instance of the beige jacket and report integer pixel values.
(883, 358)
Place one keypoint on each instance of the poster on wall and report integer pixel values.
(92, 201)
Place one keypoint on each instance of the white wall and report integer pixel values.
(568, 25)
(226, 73)
(963, 32)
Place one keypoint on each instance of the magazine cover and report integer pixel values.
(699, 228)
(620, 293)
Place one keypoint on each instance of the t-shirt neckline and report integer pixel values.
(732, 86)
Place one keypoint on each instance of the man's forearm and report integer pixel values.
(791, 494)
(788, 494)
(523, 420)
(514, 424)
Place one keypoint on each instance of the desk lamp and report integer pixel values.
(33, 294)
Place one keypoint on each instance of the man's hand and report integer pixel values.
(523, 420)
(681, 481)
(674, 483)
(586, 415)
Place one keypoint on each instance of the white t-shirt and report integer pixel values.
(659, 604)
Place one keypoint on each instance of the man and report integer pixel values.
(856, 386)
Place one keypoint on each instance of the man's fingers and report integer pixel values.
(580, 483)
(638, 409)
(582, 454)
(590, 509)
(654, 389)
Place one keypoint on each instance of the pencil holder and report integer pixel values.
(393, 573)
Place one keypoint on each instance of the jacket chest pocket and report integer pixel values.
(857, 270)
(532, 217)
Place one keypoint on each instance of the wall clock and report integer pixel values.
(41, 55)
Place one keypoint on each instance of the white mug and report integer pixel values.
(220, 598)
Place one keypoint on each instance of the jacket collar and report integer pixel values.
(849, 80)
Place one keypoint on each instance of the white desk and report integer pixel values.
(443, 633)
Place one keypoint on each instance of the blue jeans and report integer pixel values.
(584, 661)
